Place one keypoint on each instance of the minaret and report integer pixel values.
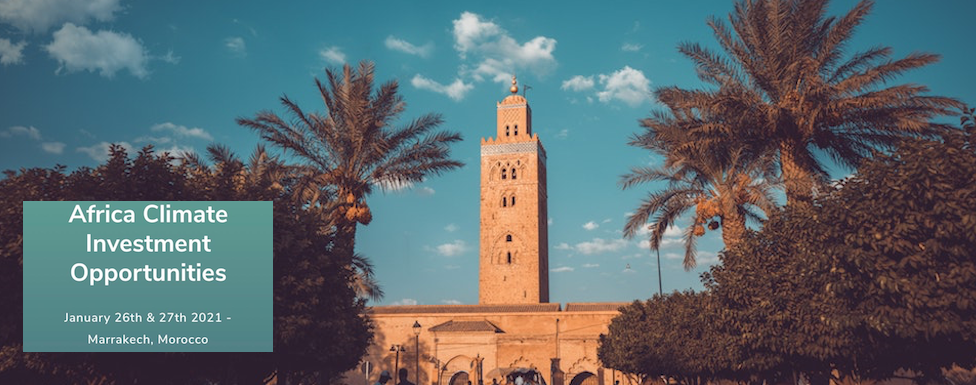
(514, 265)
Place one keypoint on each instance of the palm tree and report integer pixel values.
(724, 185)
(265, 177)
(784, 80)
(353, 147)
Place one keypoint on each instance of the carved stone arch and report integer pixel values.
(501, 247)
(459, 378)
(459, 370)
(501, 240)
(582, 365)
(501, 257)
(507, 195)
(584, 378)
(520, 362)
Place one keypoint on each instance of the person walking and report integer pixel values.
(403, 377)
(384, 378)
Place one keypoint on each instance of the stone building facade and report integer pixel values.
(513, 325)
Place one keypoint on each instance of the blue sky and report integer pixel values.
(77, 75)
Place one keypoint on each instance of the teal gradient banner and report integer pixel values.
(148, 277)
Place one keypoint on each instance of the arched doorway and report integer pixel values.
(585, 378)
(459, 378)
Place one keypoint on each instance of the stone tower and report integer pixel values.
(514, 267)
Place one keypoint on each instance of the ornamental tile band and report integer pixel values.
(510, 148)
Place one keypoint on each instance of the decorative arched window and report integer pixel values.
(513, 200)
(506, 131)
(505, 202)
(508, 238)
(513, 173)
(516, 130)
(509, 257)
(504, 173)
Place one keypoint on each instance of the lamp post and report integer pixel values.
(396, 365)
(660, 285)
(416, 335)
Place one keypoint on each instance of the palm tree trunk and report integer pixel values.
(345, 241)
(733, 229)
(796, 180)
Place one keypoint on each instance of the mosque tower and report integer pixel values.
(514, 266)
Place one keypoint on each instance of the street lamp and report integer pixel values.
(660, 284)
(416, 334)
(396, 365)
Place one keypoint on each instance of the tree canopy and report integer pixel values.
(318, 330)
(876, 275)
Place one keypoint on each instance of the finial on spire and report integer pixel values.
(514, 88)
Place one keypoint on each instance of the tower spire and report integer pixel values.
(514, 88)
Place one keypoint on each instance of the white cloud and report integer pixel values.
(99, 151)
(706, 258)
(469, 29)
(549, 221)
(456, 90)
(673, 237)
(590, 265)
(562, 269)
(333, 55)
(627, 85)
(39, 15)
(562, 134)
(170, 58)
(53, 147)
(673, 256)
(599, 245)
(236, 45)
(578, 83)
(406, 47)
(176, 151)
(496, 53)
(590, 226)
(425, 191)
(608, 220)
(563, 246)
(452, 249)
(666, 243)
(11, 53)
(77, 48)
(451, 302)
(629, 47)
(182, 131)
(672, 231)
(405, 302)
(451, 228)
(30, 132)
